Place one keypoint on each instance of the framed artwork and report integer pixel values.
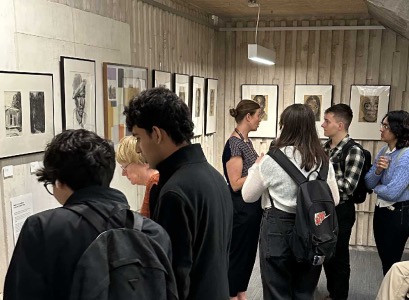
(369, 104)
(197, 107)
(182, 87)
(211, 106)
(121, 84)
(27, 120)
(162, 78)
(267, 96)
(78, 93)
(318, 97)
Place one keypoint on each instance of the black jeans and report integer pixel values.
(281, 275)
(391, 231)
(337, 269)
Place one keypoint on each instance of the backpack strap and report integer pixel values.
(96, 220)
(287, 165)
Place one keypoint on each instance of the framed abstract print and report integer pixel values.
(27, 114)
(318, 97)
(369, 104)
(161, 78)
(267, 96)
(182, 87)
(197, 107)
(211, 106)
(121, 84)
(78, 93)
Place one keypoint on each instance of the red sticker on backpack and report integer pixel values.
(319, 217)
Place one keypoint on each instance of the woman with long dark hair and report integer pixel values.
(282, 276)
(238, 156)
(389, 178)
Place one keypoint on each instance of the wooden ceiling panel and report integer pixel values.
(228, 9)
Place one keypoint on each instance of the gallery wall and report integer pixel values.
(338, 57)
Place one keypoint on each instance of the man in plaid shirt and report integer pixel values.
(336, 122)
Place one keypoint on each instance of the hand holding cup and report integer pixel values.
(383, 163)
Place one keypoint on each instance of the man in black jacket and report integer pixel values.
(192, 201)
(78, 168)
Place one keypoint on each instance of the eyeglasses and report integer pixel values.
(385, 126)
(124, 168)
(46, 185)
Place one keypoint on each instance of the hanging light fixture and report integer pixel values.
(256, 52)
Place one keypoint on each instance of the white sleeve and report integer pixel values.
(254, 185)
(332, 182)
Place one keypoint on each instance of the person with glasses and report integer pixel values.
(78, 169)
(238, 156)
(136, 169)
(389, 178)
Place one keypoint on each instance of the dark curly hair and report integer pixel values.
(79, 159)
(162, 108)
(399, 126)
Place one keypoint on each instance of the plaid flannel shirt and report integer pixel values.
(347, 181)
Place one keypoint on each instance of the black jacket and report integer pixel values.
(50, 245)
(193, 203)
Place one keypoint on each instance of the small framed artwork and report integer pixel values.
(182, 87)
(78, 93)
(318, 97)
(369, 103)
(121, 84)
(267, 96)
(27, 121)
(197, 107)
(211, 106)
(162, 78)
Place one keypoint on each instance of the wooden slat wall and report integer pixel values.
(340, 58)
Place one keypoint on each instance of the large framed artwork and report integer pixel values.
(197, 107)
(182, 87)
(369, 104)
(27, 121)
(78, 93)
(318, 97)
(267, 96)
(121, 84)
(161, 78)
(211, 106)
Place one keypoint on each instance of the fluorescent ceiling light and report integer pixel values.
(261, 54)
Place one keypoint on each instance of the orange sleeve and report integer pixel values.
(145, 205)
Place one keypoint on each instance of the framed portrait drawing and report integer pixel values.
(161, 78)
(369, 104)
(27, 121)
(267, 96)
(121, 84)
(318, 97)
(211, 106)
(182, 87)
(197, 107)
(78, 93)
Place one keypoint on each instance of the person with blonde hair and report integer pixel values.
(136, 169)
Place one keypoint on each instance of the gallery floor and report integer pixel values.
(366, 277)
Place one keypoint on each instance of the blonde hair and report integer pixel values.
(126, 152)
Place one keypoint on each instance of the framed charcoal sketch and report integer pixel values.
(369, 104)
(78, 93)
(121, 84)
(27, 114)
(182, 87)
(318, 97)
(197, 107)
(267, 96)
(162, 78)
(211, 106)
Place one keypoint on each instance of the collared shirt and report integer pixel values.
(347, 181)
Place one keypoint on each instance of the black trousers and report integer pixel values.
(281, 275)
(391, 231)
(337, 269)
(243, 247)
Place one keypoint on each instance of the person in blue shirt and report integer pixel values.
(389, 178)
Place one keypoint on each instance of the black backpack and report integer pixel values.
(125, 262)
(361, 191)
(315, 232)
